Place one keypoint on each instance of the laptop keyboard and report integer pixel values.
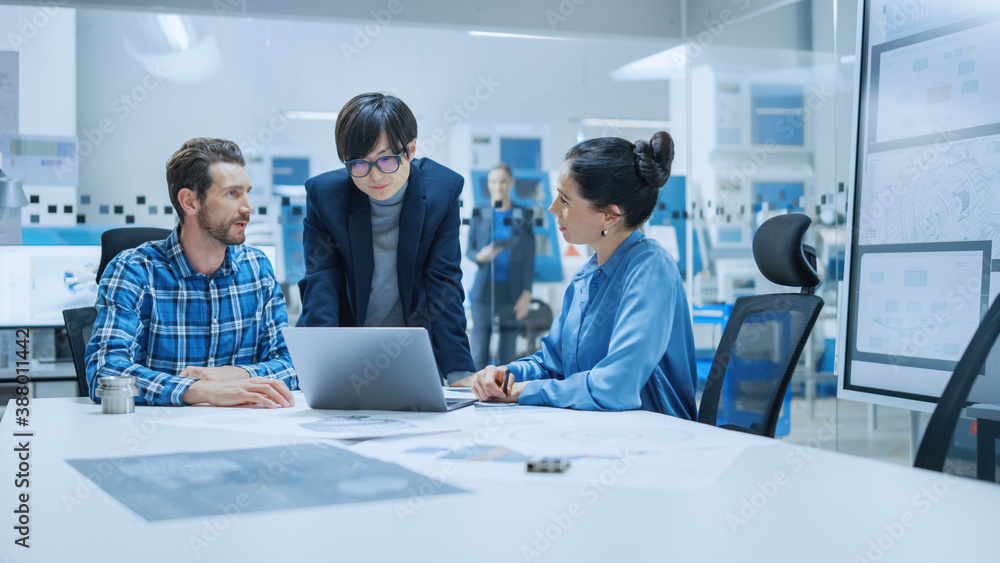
(451, 404)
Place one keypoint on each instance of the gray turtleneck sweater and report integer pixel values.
(384, 307)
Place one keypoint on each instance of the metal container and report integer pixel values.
(117, 394)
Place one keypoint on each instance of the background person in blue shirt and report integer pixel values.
(624, 338)
(502, 243)
(196, 317)
(380, 235)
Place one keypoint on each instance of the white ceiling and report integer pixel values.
(632, 19)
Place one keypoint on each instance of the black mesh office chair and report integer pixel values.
(536, 325)
(80, 322)
(962, 434)
(79, 327)
(761, 344)
(115, 240)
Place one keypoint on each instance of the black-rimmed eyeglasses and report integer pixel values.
(387, 165)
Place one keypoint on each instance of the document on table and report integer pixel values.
(310, 423)
(199, 484)
(660, 454)
(492, 405)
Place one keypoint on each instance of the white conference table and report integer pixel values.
(654, 489)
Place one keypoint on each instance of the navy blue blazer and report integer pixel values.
(522, 253)
(340, 260)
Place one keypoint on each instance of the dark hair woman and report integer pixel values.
(623, 339)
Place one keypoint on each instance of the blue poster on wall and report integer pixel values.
(777, 114)
(671, 211)
(287, 171)
(523, 154)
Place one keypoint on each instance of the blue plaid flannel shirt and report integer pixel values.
(156, 315)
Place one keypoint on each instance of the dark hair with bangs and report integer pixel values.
(362, 121)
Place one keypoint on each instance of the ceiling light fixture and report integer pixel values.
(173, 29)
(624, 123)
(658, 66)
(515, 35)
(312, 115)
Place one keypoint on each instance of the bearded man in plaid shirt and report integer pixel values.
(196, 317)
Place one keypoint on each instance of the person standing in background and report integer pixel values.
(502, 244)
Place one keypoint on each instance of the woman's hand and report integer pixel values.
(488, 253)
(488, 385)
(523, 305)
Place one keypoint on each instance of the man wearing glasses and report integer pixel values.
(381, 235)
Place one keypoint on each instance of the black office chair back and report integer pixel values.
(115, 240)
(765, 335)
(79, 327)
(536, 325)
(961, 436)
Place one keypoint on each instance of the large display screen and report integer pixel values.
(925, 219)
(38, 282)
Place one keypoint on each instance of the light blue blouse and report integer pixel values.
(623, 340)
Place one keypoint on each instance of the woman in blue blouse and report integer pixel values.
(623, 339)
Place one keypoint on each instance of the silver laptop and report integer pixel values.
(390, 369)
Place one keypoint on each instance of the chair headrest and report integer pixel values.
(780, 254)
(114, 241)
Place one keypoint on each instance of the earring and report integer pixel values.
(604, 233)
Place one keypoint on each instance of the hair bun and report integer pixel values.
(653, 159)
